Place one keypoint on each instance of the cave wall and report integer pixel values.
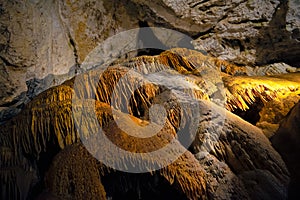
(43, 43)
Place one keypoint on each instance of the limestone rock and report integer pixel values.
(90, 22)
(33, 44)
(39, 39)
(222, 182)
(273, 112)
(244, 148)
(242, 91)
(293, 18)
(261, 184)
(239, 152)
(11, 85)
(36, 39)
(266, 100)
(251, 33)
(271, 69)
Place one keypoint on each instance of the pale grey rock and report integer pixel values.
(245, 150)
(42, 39)
(233, 37)
(33, 44)
(35, 38)
(293, 18)
(242, 31)
(87, 23)
(222, 182)
(11, 85)
(270, 69)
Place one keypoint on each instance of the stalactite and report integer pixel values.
(187, 175)
(242, 91)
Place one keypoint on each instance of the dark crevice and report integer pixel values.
(252, 114)
(7, 35)
(8, 63)
(279, 16)
(234, 43)
(15, 101)
(43, 165)
(200, 34)
(223, 17)
(197, 4)
(73, 44)
(244, 21)
(296, 34)
(205, 8)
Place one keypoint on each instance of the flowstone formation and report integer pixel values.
(43, 154)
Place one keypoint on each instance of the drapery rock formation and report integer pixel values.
(228, 158)
(267, 98)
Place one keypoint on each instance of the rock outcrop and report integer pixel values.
(266, 100)
(43, 41)
(244, 149)
(244, 32)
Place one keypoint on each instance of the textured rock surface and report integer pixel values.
(273, 112)
(90, 22)
(245, 32)
(74, 174)
(245, 150)
(33, 44)
(265, 100)
(293, 18)
(270, 69)
(222, 182)
(252, 33)
(41, 39)
(33, 39)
